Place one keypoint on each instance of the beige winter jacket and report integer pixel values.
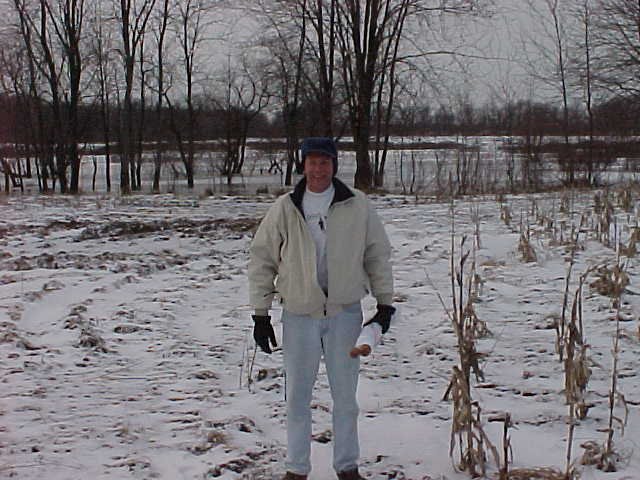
(283, 256)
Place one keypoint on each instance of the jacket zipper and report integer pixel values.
(326, 298)
(324, 305)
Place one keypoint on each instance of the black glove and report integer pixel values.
(383, 317)
(263, 332)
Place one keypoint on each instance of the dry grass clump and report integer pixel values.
(17, 340)
(541, 473)
(89, 338)
(597, 455)
(213, 439)
(605, 456)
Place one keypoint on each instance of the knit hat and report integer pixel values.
(323, 145)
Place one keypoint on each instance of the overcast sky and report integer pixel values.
(493, 46)
(494, 61)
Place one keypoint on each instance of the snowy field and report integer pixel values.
(125, 340)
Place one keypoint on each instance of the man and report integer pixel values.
(321, 248)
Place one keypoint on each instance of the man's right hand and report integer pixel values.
(263, 332)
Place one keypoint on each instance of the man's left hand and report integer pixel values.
(383, 317)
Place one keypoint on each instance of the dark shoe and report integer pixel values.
(350, 475)
(294, 476)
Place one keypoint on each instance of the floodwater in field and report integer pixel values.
(451, 164)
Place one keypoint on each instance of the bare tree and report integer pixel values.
(68, 18)
(370, 41)
(551, 18)
(50, 67)
(348, 55)
(136, 164)
(246, 95)
(101, 51)
(285, 24)
(133, 16)
(20, 121)
(618, 39)
(534, 119)
(161, 90)
(33, 24)
(386, 96)
(323, 19)
(362, 31)
(191, 27)
(584, 64)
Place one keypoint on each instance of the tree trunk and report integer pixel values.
(132, 28)
(5, 168)
(157, 164)
(74, 158)
(126, 140)
(95, 172)
(363, 175)
(40, 183)
(107, 158)
(157, 159)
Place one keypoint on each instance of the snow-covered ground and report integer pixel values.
(125, 341)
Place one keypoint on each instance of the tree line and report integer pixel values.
(127, 73)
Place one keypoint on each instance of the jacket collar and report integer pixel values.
(342, 192)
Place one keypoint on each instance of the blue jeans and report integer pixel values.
(305, 340)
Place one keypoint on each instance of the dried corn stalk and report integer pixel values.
(507, 452)
(565, 203)
(526, 250)
(466, 426)
(505, 215)
(625, 199)
(629, 250)
(576, 363)
(605, 220)
(605, 456)
(611, 282)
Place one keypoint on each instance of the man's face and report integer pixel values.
(318, 168)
